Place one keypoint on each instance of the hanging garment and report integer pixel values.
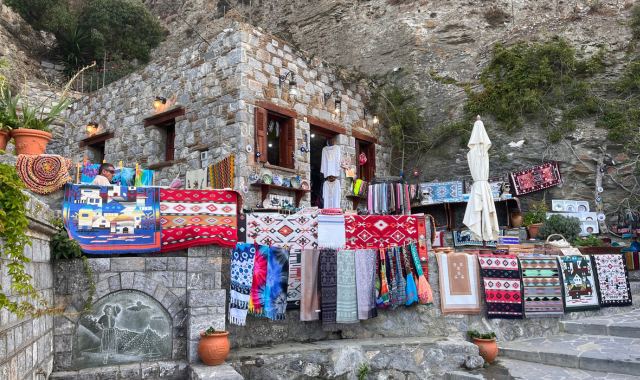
(330, 164)
(328, 285)
(242, 259)
(310, 298)
(259, 290)
(346, 299)
(459, 283)
(365, 283)
(331, 193)
(277, 277)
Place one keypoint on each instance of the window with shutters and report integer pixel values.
(165, 124)
(367, 171)
(275, 138)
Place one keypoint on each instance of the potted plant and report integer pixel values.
(7, 115)
(562, 225)
(591, 244)
(213, 348)
(535, 217)
(486, 343)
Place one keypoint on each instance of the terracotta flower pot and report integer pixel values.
(488, 349)
(4, 139)
(516, 219)
(30, 141)
(214, 349)
(534, 229)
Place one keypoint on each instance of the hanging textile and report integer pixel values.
(424, 238)
(192, 218)
(411, 288)
(222, 173)
(459, 283)
(542, 286)
(441, 192)
(388, 198)
(112, 219)
(277, 277)
(578, 283)
(346, 299)
(310, 298)
(502, 287)
(331, 193)
(259, 291)
(196, 179)
(330, 162)
(124, 176)
(331, 230)
(537, 178)
(613, 280)
(242, 259)
(425, 293)
(375, 231)
(144, 177)
(382, 285)
(632, 260)
(89, 172)
(328, 285)
(365, 283)
(45, 173)
(399, 288)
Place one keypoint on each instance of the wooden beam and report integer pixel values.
(326, 124)
(96, 139)
(163, 117)
(277, 109)
(364, 136)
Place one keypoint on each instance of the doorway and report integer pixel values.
(319, 138)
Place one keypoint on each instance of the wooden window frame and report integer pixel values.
(370, 166)
(166, 122)
(98, 143)
(287, 135)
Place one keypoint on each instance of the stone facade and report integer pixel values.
(219, 83)
(187, 285)
(26, 345)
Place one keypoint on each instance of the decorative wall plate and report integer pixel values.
(267, 179)
(286, 182)
(277, 180)
(304, 185)
(295, 182)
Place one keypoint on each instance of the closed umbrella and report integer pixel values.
(480, 215)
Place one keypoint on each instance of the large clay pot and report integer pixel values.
(30, 141)
(4, 139)
(214, 349)
(488, 349)
(534, 229)
(516, 219)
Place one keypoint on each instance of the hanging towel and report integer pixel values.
(346, 299)
(277, 278)
(259, 284)
(328, 285)
(310, 301)
(365, 282)
(242, 260)
(331, 232)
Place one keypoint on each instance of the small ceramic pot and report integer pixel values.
(213, 349)
(30, 141)
(516, 219)
(488, 349)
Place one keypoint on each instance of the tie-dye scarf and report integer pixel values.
(259, 282)
(242, 259)
(277, 277)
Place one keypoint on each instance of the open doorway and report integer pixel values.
(319, 138)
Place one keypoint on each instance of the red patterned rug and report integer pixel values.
(502, 286)
(191, 218)
(536, 178)
(375, 231)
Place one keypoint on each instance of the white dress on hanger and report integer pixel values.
(331, 194)
(330, 165)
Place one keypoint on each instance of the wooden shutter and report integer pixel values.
(371, 157)
(260, 119)
(286, 154)
(170, 144)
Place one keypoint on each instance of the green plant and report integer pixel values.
(13, 227)
(558, 224)
(588, 241)
(61, 247)
(537, 213)
(212, 331)
(38, 117)
(363, 371)
(475, 334)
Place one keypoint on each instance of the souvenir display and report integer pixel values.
(242, 259)
(536, 178)
(459, 283)
(390, 197)
(613, 280)
(441, 192)
(502, 287)
(375, 231)
(579, 285)
(45, 173)
(222, 173)
(542, 286)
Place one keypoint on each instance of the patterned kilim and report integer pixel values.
(295, 232)
(536, 178)
(45, 173)
(191, 218)
(375, 231)
(112, 219)
(221, 174)
(632, 260)
(613, 280)
(542, 287)
(579, 285)
(440, 192)
(502, 288)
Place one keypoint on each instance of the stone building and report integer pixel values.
(224, 96)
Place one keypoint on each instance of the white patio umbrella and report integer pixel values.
(480, 216)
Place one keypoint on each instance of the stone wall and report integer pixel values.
(26, 345)
(187, 285)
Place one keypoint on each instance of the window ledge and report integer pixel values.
(280, 168)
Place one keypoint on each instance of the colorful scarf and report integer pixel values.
(89, 172)
(45, 173)
(632, 260)
(112, 219)
(536, 178)
(196, 179)
(346, 298)
(124, 176)
(375, 231)
(411, 289)
(579, 285)
(328, 285)
(542, 287)
(242, 259)
(310, 300)
(382, 286)
(613, 280)
(277, 276)
(221, 174)
(399, 297)
(144, 177)
(502, 287)
(365, 283)
(331, 231)
(259, 291)
(459, 283)
(425, 293)
(192, 218)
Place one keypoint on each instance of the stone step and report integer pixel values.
(624, 325)
(535, 371)
(587, 352)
